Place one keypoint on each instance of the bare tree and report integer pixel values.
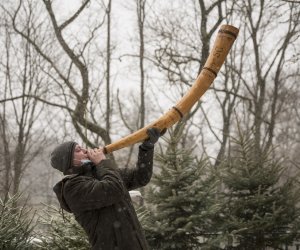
(108, 65)
(22, 140)
(73, 80)
(141, 15)
(267, 72)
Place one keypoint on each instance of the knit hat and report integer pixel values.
(62, 156)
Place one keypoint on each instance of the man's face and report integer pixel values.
(79, 154)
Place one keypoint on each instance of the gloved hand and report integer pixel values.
(154, 135)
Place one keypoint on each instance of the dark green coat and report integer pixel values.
(101, 204)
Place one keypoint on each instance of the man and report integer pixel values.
(96, 192)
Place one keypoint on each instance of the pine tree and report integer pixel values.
(16, 224)
(61, 231)
(179, 204)
(259, 207)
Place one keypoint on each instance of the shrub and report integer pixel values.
(16, 224)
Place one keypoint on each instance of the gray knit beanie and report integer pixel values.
(62, 156)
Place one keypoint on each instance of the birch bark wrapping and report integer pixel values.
(221, 47)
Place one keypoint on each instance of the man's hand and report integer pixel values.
(154, 135)
(96, 155)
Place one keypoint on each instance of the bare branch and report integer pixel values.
(38, 49)
(76, 14)
(39, 99)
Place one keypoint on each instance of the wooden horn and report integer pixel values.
(224, 40)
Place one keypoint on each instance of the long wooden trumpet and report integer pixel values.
(224, 40)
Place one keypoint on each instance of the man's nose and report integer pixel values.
(84, 150)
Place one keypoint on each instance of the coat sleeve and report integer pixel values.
(86, 193)
(142, 173)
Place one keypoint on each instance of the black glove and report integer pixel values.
(154, 135)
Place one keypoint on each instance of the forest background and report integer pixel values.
(94, 71)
